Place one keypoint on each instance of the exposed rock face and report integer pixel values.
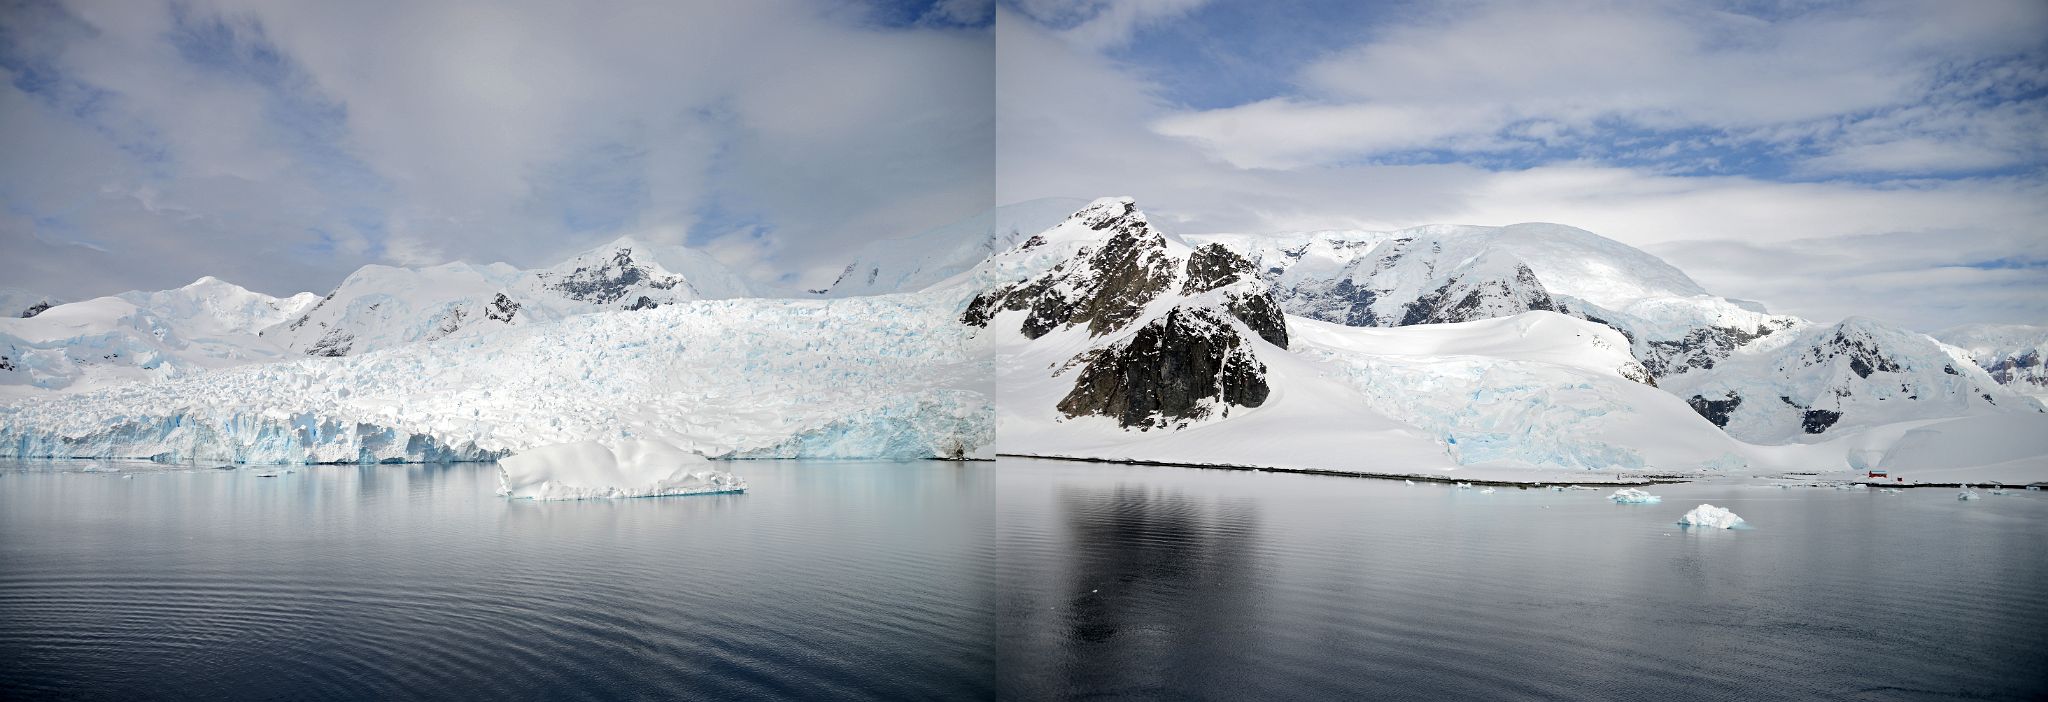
(35, 309)
(1716, 411)
(1179, 367)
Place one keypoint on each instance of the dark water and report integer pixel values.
(1019, 579)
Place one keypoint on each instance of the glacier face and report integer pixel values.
(883, 377)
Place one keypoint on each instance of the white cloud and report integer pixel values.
(1457, 75)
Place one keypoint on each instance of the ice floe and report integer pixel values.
(592, 470)
(1711, 517)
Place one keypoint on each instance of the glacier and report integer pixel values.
(875, 377)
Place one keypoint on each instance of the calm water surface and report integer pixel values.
(1017, 579)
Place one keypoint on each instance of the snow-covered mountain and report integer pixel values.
(888, 377)
(22, 303)
(382, 306)
(1856, 374)
(2016, 355)
(1712, 352)
(919, 261)
(139, 335)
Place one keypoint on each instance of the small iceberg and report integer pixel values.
(1967, 494)
(1410, 482)
(1632, 496)
(1487, 491)
(587, 470)
(1710, 517)
(1889, 491)
(1464, 486)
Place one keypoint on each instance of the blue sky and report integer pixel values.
(1827, 158)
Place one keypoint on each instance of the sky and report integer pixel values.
(1884, 159)
(1887, 159)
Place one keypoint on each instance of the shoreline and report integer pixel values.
(1654, 480)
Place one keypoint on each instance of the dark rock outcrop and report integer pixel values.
(35, 309)
(501, 309)
(1177, 368)
(1815, 421)
(1716, 411)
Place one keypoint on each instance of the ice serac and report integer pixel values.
(1155, 333)
(881, 377)
(586, 470)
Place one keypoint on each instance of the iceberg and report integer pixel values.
(586, 470)
(1632, 496)
(1711, 517)
(1967, 494)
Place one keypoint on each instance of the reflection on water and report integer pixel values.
(376, 582)
(1170, 583)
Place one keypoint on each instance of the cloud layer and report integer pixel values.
(285, 143)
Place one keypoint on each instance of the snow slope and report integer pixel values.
(139, 335)
(881, 377)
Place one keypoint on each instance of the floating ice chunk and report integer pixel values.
(1410, 482)
(1889, 491)
(270, 474)
(1487, 491)
(1711, 517)
(1632, 496)
(2033, 488)
(1464, 486)
(591, 470)
(1967, 494)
